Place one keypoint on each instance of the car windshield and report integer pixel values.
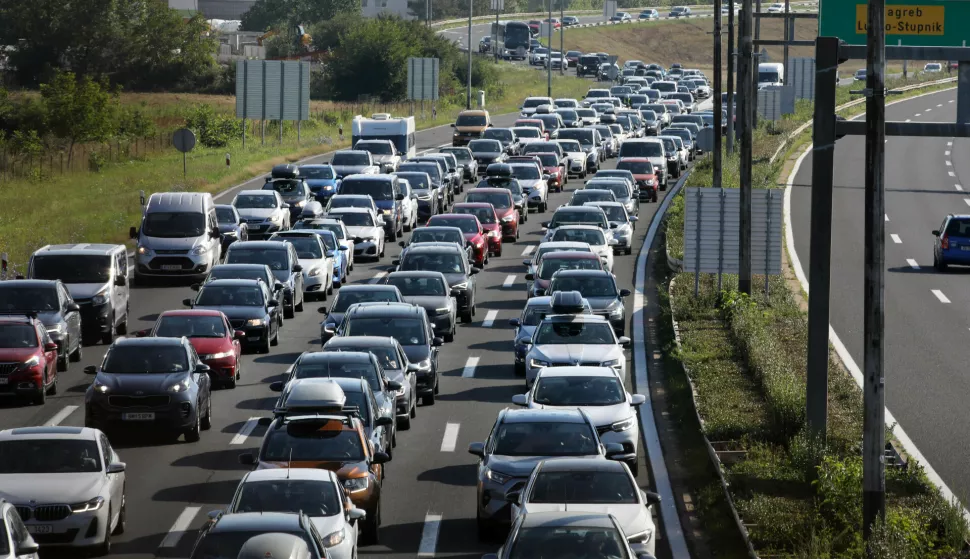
(498, 134)
(230, 296)
(431, 169)
(526, 172)
(551, 265)
(306, 246)
(579, 391)
(549, 159)
(466, 225)
(225, 215)
(618, 189)
(565, 333)
(460, 154)
(176, 326)
(15, 299)
(510, 184)
(594, 93)
(418, 181)
(255, 201)
(580, 197)
(586, 113)
(642, 149)
(145, 359)
(444, 262)
(376, 148)
(329, 241)
(347, 297)
(590, 236)
(577, 218)
(958, 227)
(471, 120)
(498, 200)
(484, 215)
(71, 268)
(527, 132)
(350, 200)
(334, 228)
(410, 287)
(588, 286)
(286, 187)
(568, 115)
(226, 545)
(350, 158)
(310, 496)
(544, 439)
(378, 190)
(313, 441)
(274, 258)
(636, 167)
(551, 121)
(335, 368)
(49, 456)
(614, 213)
(485, 146)
(17, 336)
(669, 144)
(174, 225)
(355, 219)
(425, 235)
(407, 331)
(570, 145)
(318, 173)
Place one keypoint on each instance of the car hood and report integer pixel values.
(383, 158)
(470, 237)
(577, 353)
(576, 155)
(343, 470)
(505, 212)
(417, 353)
(326, 525)
(51, 488)
(455, 278)
(600, 415)
(170, 243)
(255, 213)
(321, 182)
(520, 466)
(643, 177)
(631, 517)
(85, 290)
(600, 303)
(363, 231)
(237, 311)
(227, 227)
(530, 184)
(527, 141)
(132, 384)
(17, 354)
(344, 170)
(429, 302)
(310, 263)
(210, 345)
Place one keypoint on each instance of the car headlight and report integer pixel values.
(32, 362)
(443, 310)
(369, 239)
(330, 327)
(201, 249)
(624, 424)
(641, 537)
(538, 363)
(328, 187)
(650, 182)
(230, 233)
(386, 212)
(300, 204)
(508, 219)
(425, 197)
(335, 538)
(493, 234)
(314, 272)
(462, 285)
(88, 506)
(55, 329)
(180, 386)
(497, 477)
(356, 484)
(254, 322)
(101, 387)
(221, 355)
(145, 251)
(100, 299)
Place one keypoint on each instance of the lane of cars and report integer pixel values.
(383, 342)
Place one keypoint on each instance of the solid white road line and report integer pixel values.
(509, 281)
(939, 295)
(896, 239)
(528, 250)
(179, 528)
(490, 317)
(450, 439)
(244, 431)
(377, 277)
(469, 370)
(61, 416)
(912, 263)
(429, 535)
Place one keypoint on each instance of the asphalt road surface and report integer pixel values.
(171, 486)
(927, 387)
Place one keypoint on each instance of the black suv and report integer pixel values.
(281, 257)
(248, 304)
(588, 65)
(54, 307)
(453, 263)
(600, 289)
(409, 325)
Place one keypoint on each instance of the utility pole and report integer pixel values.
(549, 57)
(789, 35)
(732, 53)
(468, 96)
(717, 95)
(874, 351)
(562, 37)
(747, 137)
(498, 7)
(755, 61)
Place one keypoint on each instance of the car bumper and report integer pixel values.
(958, 257)
(160, 411)
(315, 284)
(628, 439)
(23, 383)
(253, 334)
(95, 318)
(425, 209)
(442, 322)
(425, 382)
(181, 265)
(84, 529)
(623, 241)
(366, 248)
(509, 228)
(344, 549)
(262, 231)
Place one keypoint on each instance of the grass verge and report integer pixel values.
(100, 206)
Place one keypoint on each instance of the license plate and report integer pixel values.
(171, 267)
(965, 248)
(40, 528)
(142, 416)
(4, 380)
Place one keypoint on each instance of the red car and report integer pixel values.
(552, 262)
(471, 228)
(644, 174)
(504, 207)
(210, 334)
(28, 359)
(554, 21)
(534, 26)
(555, 169)
(490, 223)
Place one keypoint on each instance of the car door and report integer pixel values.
(409, 376)
(294, 260)
(201, 380)
(116, 481)
(214, 242)
(72, 318)
(381, 434)
(274, 312)
(50, 356)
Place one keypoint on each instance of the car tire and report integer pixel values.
(123, 326)
(77, 354)
(109, 336)
(414, 408)
(520, 369)
(404, 422)
(122, 524)
(299, 308)
(428, 399)
(450, 336)
(371, 524)
(264, 347)
(194, 434)
(628, 251)
(40, 398)
(104, 548)
(516, 233)
(62, 361)
(231, 381)
(498, 253)
(381, 253)
(466, 317)
(275, 340)
(206, 422)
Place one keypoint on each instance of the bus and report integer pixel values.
(382, 126)
(512, 39)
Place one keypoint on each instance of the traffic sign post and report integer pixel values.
(924, 23)
(184, 141)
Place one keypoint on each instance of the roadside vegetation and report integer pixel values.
(745, 359)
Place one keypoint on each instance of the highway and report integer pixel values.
(171, 486)
(926, 311)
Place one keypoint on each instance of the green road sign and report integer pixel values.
(922, 23)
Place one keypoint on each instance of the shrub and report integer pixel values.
(212, 130)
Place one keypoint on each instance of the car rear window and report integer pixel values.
(958, 227)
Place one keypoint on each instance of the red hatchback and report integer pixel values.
(210, 334)
(644, 174)
(490, 223)
(471, 228)
(504, 206)
(555, 169)
(28, 359)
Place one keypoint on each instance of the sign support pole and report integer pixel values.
(468, 96)
(717, 96)
(549, 56)
(789, 35)
(747, 138)
(732, 54)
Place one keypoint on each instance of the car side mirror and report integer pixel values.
(478, 449)
(277, 386)
(624, 341)
(71, 307)
(322, 310)
(331, 254)
(634, 218)
(264, 421)
(515, 322)
(527, 262)
(247, 459)
(238, 334)
(297, 268)
(530, 277)
(514, 497)
(399, 197)
(115, 468)
(452, 124)
(202, 369)
(396, 262)
(91, 370)
(936, 232)
(393, 385)
(637, 399)
(437, 342)
(613, 450)
(612, 242)
(213, 514)
(384, 421)
(520, 400)
(215, 234)
(285, 206)
(614, 225)
(651, 498)
(277, 286)
(272, 303)
(474, 271)
(624, 293)
(195, 286)
(187, 302)
(356, 514)
(121, 281)
(133, 232)
(380, 458)
(50, 346)
(401, 244)
(545, 224)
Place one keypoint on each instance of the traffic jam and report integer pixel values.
(407, 260)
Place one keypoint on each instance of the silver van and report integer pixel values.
(96, 275)
(179, 236)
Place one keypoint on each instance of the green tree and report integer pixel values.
(274, 14)
(79, 110)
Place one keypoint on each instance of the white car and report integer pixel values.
(590, 486)
(338, 201)
(315, 259)
(574, 215)
(316, 492)
(528, 135)
(575, 157)
(625, 224)
(565, 103)
(64, 481)
(409, 205)
(340, 230)
(577, 339)
(776, 8)
(534, 183)
(599, 392)
(600, 241)
(366, 228)
(530, 105)
(263, 211)
(587, 116)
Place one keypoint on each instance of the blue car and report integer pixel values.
(952, 242)
(321, 179)
(340, 259)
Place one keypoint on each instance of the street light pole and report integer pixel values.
(717, 95)
(562, 35)
(468, 96)
(549, 57)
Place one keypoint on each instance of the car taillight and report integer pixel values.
(944, 242)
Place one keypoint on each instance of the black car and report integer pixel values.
(281, 257)
(449, 181)
(407, 324)
(487, 152)
(512, 185)
(225, 535)
(231, 226)
(432, 292)
(453, 263)
(248, 271)
(505, 135)
(464, 157)
(248, 304)
(599, 288)
(588, 65)
(54, 307)
(295, 192)
(438, 189)
(150, 382)
(424, 191)
(438, 234)
(351, 295)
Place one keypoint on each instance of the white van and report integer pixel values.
(178, 236)
(771, 74)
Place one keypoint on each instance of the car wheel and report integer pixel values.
(108, 337)
(231, 381)
(370, 525)
(404, 422)
(516, 233)
(450, 336)
(466, 317)
(194, 433)
(381, 253)
(520, 369)
(302, 300)
(329, 288)
(275, 340)
(428, 399)
(104, 548)
(77, 354)
(264, 347)
(206, 422)
(939, 264)
(414, 408)
(290, 311)
(122, 516)
(123, 326)
(498, 252)
(40, 398)
(628, 251)
(62, 361)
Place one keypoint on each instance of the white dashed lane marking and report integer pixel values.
(528, 250)
(60, 416)
(912, 263)
(967, 201)
(958, 186)
(244, 431)
(939, 295)
(180, 526)
(887, 217)
(429, 535)
(377, 277)
(450, 440)
(469, 370)
(509, 281)
(489, 319)
(896, 239)
(951, 173)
